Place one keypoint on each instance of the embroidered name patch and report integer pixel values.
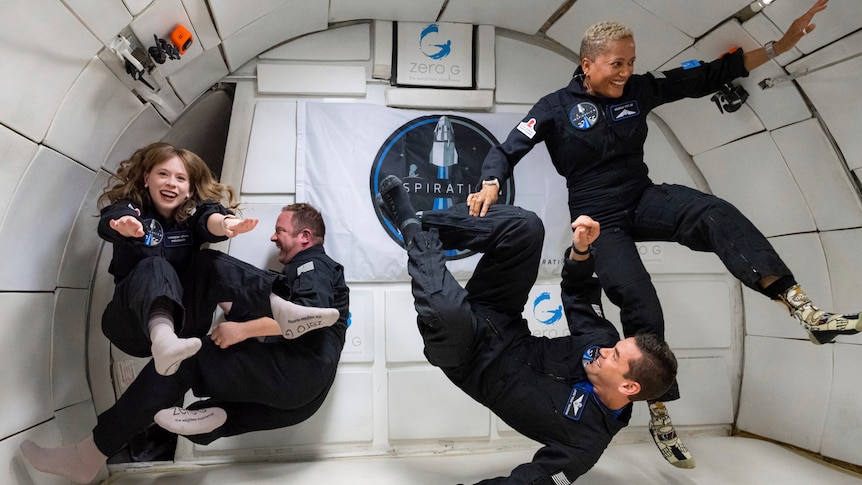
(309, 266)
(177, 239)
(622, 111)
(584, 115)
(575, 405)
(528, 128)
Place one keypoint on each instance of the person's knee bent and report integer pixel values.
(530, 225)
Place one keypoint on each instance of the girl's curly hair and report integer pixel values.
(128, 182)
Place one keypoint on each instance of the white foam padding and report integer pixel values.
(785, 387)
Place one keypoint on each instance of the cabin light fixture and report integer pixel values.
(758, 5)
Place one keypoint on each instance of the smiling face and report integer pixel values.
(168, 185)
(607, 74)
(609, 369)
(287, 239)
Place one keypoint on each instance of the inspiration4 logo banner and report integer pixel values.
(439, 159)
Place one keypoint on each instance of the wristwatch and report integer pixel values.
(770, 49)
(491, 181)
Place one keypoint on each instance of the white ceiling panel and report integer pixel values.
(451, 413)
(778, 106)
(69, 361)
(842, 256)
(694, 17)
(95, 111)
(100, 365)
(843, 428)
(350, 402)
(293, 19)
(697, 312)
(775, 372)
(147, 127)
(698, 123)
(751, 174)
(231, 16)
(763, 30)
(527, 17)
(820, 175)
(160, 19)
(50, 192)
(25, 341)
(201, 20)
(658, 39)
(81, 252)
(198, 75)
(311, 79)
(666, 159)
(424, 11)
(37, 75)
(402, 344)
(350, 43)
(517, 65)
(840, 18)
(270, 164)
(16, 152)
(104, 19)
(837, 93)
(136, 6)
(803, 254)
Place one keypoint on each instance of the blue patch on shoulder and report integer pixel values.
(690, 64)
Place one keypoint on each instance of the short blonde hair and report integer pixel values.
(598, 36)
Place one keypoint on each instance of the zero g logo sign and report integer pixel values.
(432, 45)
(435, 54)
(439, 159)
(544, 311)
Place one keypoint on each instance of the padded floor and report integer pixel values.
(720, 461)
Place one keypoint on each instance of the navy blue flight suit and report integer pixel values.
(596, 143)
(264, 383)
(149, 268)
(478, 338)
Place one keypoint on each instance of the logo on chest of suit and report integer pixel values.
(154, 234)
(584, 115)
(576, 403)
(625, 110)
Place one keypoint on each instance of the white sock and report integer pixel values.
(295, 320)
(190, 421)
(80, 462)
(169, 351)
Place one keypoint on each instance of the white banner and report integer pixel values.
(341, 148)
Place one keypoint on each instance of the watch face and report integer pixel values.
(584, 115)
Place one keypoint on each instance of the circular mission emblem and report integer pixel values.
(584, 115)
(153, 232)
(439, 159)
